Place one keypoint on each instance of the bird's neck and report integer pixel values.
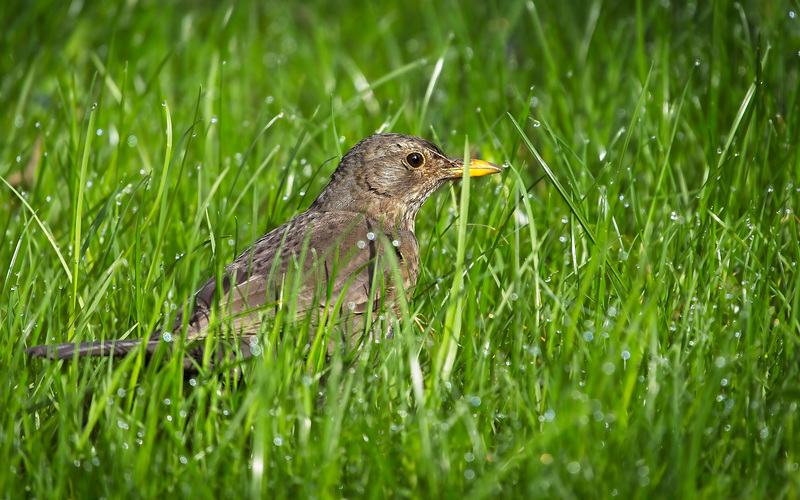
(385, 215)
(389, 211)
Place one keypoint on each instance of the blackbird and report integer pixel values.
(360, 228)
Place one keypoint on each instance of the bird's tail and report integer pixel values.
(84, 349)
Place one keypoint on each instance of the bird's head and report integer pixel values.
(392, 175)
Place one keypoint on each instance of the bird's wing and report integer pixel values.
(341, 253)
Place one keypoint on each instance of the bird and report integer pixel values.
(347, 249)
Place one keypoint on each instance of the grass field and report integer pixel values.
(616, 315)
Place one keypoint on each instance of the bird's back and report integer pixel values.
(311, 263)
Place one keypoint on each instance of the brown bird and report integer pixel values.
(344, 244)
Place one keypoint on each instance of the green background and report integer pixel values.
(627, 319)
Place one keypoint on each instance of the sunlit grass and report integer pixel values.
(614, 315)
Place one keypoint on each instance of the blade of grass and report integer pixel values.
(622, 288)
(437, 70)
(77, 216)
(452, 323)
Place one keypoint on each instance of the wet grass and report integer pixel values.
(615, 315)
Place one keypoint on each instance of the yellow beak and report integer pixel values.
(477, 168)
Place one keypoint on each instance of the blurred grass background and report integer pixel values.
(629, 315)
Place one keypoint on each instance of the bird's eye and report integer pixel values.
(415, 160)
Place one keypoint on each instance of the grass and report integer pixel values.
(622, 302)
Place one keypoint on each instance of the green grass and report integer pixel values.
(624, 297)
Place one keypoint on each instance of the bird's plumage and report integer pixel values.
(360, 225)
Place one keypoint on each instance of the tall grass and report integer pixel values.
(615, 315)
